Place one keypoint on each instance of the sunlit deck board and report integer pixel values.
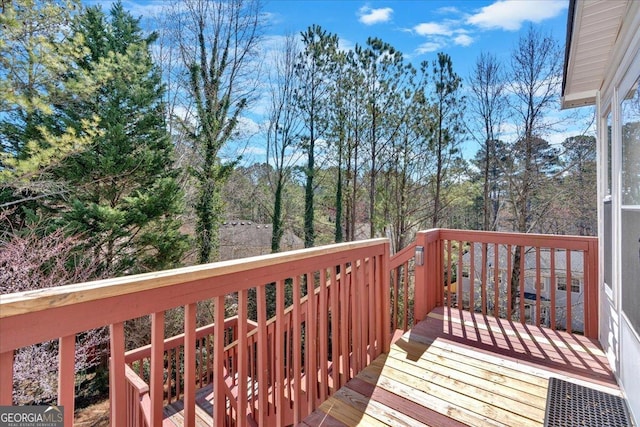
(457, 368)
(174, 413)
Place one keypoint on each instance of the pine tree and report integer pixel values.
(38, 50)
(126, 199)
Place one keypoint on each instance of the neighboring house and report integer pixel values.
(241, 239)
(602, 68)
(504, 272)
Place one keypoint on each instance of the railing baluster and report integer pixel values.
(280, 353)
(219, 398)
(354, 306)
(190, 364)
(263, 371)
(311, 347)
(448, 283)
(336, 343)
(345, 347)
(472, 277)
(169, 374)
(552, 288)
(383, 277)
(538, 288)
(522, 283)
(242, 360)
(66, 376)
(371, 306)
(483, 279)
(323, 337)
(509, 277)
(568, 286)
(6, 378)
(405, 295)
(459, 281)
(496, 280)
(380, 330)
(157, 367)
(297, 337)
(396, 296)
(364, 312)
(360, 300)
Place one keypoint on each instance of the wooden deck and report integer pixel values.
(457, 368)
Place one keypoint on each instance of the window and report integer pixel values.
(562, 284)
(631, 147)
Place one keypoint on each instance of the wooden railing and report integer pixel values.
(139, 360)
(544, 280)
(139, 402)
(334, 309)
(402, 269)
(283, 367)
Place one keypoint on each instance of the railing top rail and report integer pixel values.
(42, 299)
(176, 340)
(81, 307)
(403, 255)
(579, 243)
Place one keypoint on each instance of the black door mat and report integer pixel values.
(570, 405)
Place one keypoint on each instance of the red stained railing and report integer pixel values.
(335, 309)
(545, 280)
(274, 370)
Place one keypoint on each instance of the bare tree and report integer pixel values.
(284, 129)
(536, 70)
(217, 43)
(32, 259)
(487, 103)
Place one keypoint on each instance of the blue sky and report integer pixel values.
(419, 29)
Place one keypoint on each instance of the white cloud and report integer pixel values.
(432, 28)
(463, 40)
(427, 47)
(509, 15)
(369, 16)
(345, 45)
(448, 9)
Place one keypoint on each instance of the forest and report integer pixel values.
(121, 146)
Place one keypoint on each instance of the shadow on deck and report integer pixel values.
(458, 368)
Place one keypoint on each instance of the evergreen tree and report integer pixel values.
(126, 199)
(38, 51)
(448, 104)
(312, 70)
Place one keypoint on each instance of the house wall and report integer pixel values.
(619, 330)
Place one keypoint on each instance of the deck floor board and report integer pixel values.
(455, 369)
(467, 369)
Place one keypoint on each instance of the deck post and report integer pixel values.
(591, 285)
(421, 286)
